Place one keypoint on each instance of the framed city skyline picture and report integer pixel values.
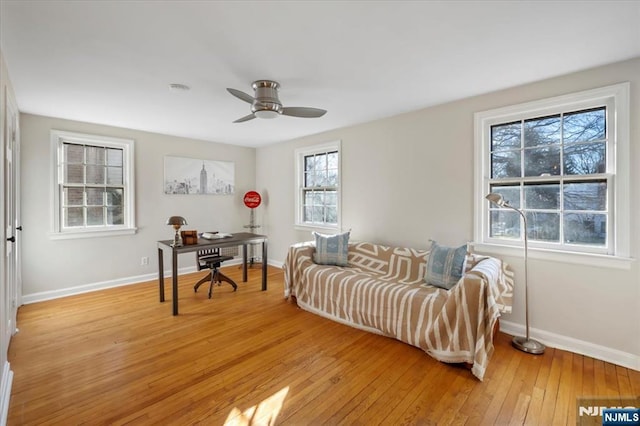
(191, 176)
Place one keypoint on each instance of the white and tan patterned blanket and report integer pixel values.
(383, 291)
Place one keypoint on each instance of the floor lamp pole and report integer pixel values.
(525, 344)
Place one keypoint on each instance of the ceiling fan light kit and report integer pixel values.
(266, 104)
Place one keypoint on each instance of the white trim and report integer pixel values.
(276, 263)
(102, 285)
(614, 356)
(310, 228)
(591, 259)
(88, 233)
(128, 147)
(618, 156)
(6, 381)
(299, 154)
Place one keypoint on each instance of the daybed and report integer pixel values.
(383, 290)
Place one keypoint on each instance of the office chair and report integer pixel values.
(211, 259)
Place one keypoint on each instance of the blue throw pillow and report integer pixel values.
(445, 265)
(331, 249)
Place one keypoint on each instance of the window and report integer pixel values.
(92, 185)
(318, 186)
(564, 163)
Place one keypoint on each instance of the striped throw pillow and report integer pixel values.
(445, 265)
(331, 249)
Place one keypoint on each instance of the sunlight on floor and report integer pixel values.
(264, 413)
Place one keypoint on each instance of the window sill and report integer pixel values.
(319, 228)
(598, 260)
(91, 234)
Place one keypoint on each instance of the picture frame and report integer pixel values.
(191, 176)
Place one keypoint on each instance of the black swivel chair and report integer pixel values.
(211, 259)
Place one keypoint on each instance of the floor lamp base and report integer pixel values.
(528, 345)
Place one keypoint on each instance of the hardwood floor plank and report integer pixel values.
(387, 402)
(539, 388)
(371, 394)
(564, 390)
(452, 400)
(520, 391)
(551, 389)
(634, 381)
(588, 385)
(575, 389)
(624, 383)
(503, 384)
(119, 357)
(336, 405)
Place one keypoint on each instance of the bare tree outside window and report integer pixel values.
(553, 168)
(92, 187)
(320, 188)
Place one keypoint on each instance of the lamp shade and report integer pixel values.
(496, 199)
(176, 220)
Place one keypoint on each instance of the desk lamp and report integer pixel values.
(176, 222)
(525, 344)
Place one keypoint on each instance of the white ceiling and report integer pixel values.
(111, 62)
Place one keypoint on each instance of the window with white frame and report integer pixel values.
(93, 188)
(564, 163)
(318, 186)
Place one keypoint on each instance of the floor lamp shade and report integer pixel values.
(525, 344)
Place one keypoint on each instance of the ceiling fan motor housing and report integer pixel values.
(267, 104)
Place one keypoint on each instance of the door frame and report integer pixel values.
(13, 291)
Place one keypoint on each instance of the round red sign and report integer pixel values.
(252, 199)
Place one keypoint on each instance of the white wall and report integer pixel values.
(54, 265)
(392, 171)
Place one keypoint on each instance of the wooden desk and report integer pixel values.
(240, 239)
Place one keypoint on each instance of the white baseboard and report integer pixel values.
(276, 263)
(5, 392)
(85, 288)
(570, 344)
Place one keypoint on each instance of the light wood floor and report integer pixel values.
(118, 356)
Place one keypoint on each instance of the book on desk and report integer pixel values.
(215, 235)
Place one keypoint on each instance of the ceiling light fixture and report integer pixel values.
(266, 113)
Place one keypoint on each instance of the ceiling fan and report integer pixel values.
(265, 103)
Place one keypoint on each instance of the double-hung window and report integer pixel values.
(92, 185)
(564, 163)
(318, 186)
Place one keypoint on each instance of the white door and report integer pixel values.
(13, 277)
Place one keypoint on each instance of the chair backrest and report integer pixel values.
(203, 255)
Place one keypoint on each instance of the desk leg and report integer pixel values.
(244, 263)
(264, 266)
(174, 280)
(161, 273)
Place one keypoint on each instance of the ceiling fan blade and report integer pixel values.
(303, 112)
(245, 118)
(241, 95)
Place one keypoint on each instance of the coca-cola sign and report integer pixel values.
(252, 199)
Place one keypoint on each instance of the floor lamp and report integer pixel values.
(525, 344)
